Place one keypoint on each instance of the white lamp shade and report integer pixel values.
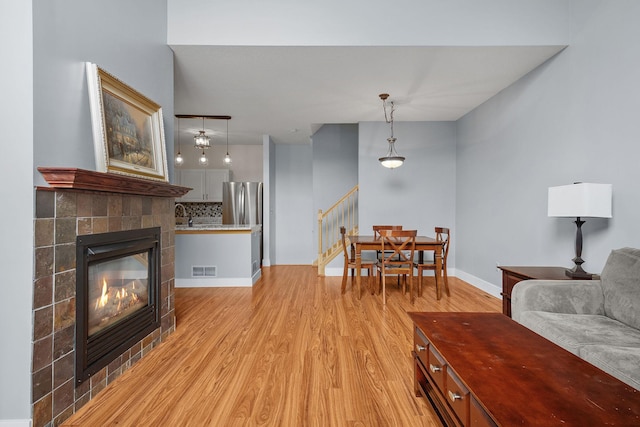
(580, 200)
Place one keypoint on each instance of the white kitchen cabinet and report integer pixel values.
(206, 184)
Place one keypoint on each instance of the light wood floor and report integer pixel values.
(291, 351)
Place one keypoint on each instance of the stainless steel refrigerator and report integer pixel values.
(242, 203)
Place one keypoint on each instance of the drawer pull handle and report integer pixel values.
(454, 396)
(420, 348)
(435, 369)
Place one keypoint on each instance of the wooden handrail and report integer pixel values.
(342, 213)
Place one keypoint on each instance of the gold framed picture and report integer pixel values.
(127, 127)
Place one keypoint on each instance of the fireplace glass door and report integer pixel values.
(117, 288)
(117, 295)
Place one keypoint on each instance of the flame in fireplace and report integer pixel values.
(104, 298)
(120, 296)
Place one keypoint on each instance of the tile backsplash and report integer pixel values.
(210, 212)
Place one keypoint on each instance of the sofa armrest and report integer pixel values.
(557, 296)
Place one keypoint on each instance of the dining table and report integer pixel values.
(360, 242)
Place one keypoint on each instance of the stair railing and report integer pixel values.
(343, 213)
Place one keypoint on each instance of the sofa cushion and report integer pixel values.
(572, 331)
(621, 286)
(620, 362)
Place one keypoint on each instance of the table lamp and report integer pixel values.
(580, 200)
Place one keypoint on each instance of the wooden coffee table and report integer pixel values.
(484, 369)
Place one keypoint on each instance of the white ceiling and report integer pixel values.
(289, 92)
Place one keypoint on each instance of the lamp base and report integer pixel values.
(578, 273)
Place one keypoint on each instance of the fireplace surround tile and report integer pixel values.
(63, 341)
(42, 410)
(42, 384)
(42, 323)
(42, 292)
(114, 206)
(45, 204)
(65, 257)
(65, 230)
(64, 285)
(99, 205)
(99, 225)
(66, 204)
(42, 353)
(43, 232)
(43, 261)
(84, 226)
(115, 223)
(63, 398)
(60, 216)
(63, 370)
(84, 204)
(64, 314)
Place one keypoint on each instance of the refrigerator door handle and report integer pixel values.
(243, 213)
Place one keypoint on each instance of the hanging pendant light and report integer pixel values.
(392, 159)
(179, 160)
(203, 160)
(227, 157)
(202, 140)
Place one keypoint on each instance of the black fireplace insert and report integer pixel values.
(117, 295)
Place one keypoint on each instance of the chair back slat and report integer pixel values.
(442, 235)
(377, 228)
(397, 247)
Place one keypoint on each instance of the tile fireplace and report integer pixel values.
(89, 212)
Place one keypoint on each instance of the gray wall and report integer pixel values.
(335, 171)
(421, 193)
(126, 39)
(294, 204)
(365, 23)
(335, 163)
(16, 220)
(572, 119)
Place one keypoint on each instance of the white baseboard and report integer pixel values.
(218, 282)
(489, 288)
(15, 423)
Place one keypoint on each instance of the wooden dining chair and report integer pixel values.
(397, 248)
(442, 235)
(376, 234)
(350, 263)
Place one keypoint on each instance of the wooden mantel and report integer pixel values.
(81, 179)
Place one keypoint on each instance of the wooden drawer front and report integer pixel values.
(421, 346)
(457, 396)
(477, 416)
(436, 369)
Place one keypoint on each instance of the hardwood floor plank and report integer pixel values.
(292, 350)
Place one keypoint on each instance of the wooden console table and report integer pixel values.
(513, 275)
(484, 369)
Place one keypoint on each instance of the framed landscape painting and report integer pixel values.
(127, 127)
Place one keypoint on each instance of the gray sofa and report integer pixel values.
(598, 320)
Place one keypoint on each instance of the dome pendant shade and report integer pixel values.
(391, 160)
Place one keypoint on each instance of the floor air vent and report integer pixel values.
(204, 271)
